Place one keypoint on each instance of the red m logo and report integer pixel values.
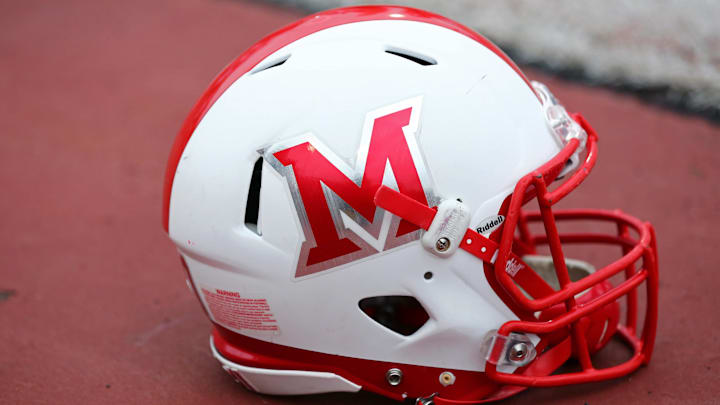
(334, 201)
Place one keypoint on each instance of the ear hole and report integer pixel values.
(401, 314)
(418, 58)
(271, 64)
(252, 207)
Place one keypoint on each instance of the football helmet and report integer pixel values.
(348, 199)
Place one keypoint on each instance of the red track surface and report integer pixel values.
(93, 303)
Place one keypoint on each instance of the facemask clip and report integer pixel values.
(561, 125)
(515, 350)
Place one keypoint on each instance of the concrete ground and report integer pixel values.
(93, 302)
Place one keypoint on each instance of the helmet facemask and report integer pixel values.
(567, 308)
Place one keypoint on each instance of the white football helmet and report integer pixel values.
(347, 199)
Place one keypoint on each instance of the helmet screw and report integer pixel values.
(447, 378)
(518, 352)
(394, 376)
(442, 244)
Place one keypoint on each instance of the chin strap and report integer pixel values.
(472, 242)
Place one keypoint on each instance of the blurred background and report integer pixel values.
(93, 302)
(665, 51)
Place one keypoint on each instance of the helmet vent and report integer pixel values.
(252, 207)
(270, 65)
(418, 58)
(399, 313)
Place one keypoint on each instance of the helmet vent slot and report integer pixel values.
(270, 65)
(418, 58)
(252, 207)
(399, 313)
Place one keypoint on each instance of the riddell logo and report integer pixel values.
(490, 224)
(334, 200)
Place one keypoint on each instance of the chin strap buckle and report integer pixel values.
(445, 225)
(448, 228)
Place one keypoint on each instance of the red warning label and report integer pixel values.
(230, 309)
